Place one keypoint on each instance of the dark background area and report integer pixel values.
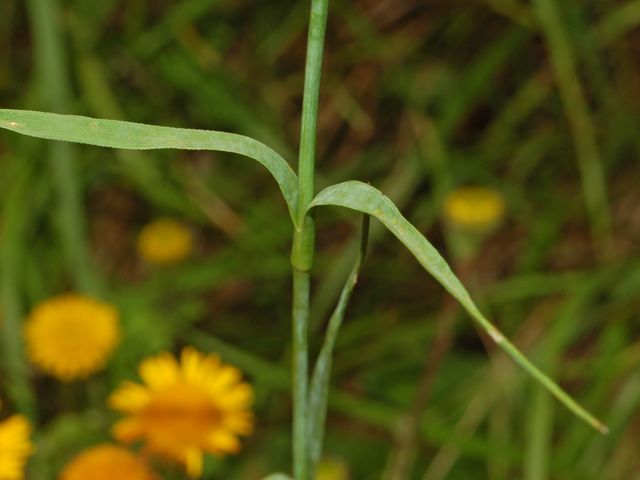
(418, 98)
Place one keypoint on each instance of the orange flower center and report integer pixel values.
(181, 414)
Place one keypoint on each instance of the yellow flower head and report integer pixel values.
(474, 208)
(185, 408)
(331, 468)
(71, 336)
(165, 241)
(15, 447)
(107, 462)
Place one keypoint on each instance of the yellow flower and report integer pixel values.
(15, 447)
(71, 336)
(106, 462)
(474, 208)
(331, 468)
(165, 241)
(184, 409)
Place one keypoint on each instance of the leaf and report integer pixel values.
(319, 389)
(364, 198)
(138, 136)
(277, 476)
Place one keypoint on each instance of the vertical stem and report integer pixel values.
(300, 375)
(536, 461)
(315, 48)
(12, 253)
(577, 110)
(303, 238)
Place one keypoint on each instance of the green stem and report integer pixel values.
(304, 238)
(582, 128)
(12, 254)
(315, 48)
(300, 374)
(540, 422)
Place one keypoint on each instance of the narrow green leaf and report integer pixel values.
(566, 70)
(319, 390)
(364, 198)
(13, 251)
(138, 136)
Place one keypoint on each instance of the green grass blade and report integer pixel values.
(319, 389)
(371, 412)
(515, 11)
(579, 116)
(54, 88)
(138, 136)
(619, 21)
(13, 249)
(364, 198)
(164, 31)
(540, 419)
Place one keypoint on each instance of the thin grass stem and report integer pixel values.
(300, 374)
(304, 239)
(12, 245)
(579, 117)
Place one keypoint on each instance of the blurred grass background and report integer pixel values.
(538, 100)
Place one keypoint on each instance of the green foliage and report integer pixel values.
(461, 104)
(364, 198)
(136, 136)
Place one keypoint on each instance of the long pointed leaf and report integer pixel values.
(138, 136)
(364, 198)
(319, 390)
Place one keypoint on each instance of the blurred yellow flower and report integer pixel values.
(331, 468)
(185, 408)
(15, 447)
(165, 241)
(474, 208)
(106, 462)
(71, 336)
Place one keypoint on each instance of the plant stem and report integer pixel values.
(12, 255)
(315, 48)
(303, 238)
(582, 128)
(300, 374)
